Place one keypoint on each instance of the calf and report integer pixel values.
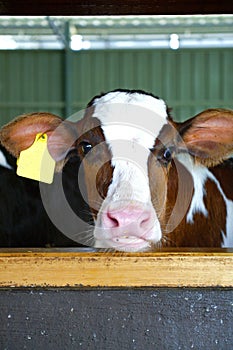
(23, 219)
(150, 181)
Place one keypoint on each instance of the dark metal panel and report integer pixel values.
(166, 319)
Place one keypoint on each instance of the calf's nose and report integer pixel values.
(129, 220)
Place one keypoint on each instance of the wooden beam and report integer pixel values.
(77, 269)
(114, 7)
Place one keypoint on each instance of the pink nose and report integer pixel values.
(129, 220)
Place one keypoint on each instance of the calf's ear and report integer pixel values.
(209, 136)
(20, 134)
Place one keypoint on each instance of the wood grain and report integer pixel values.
(87, 269)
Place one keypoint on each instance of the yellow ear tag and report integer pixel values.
(35, 162)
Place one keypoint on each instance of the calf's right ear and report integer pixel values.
(208, 136)
(20, 134)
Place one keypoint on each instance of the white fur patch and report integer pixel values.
(228, 238)
(131, 122)
(199, 174)
(3, 161)
(228, 235)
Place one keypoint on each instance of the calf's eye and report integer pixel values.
(85, 147)
(167, 155)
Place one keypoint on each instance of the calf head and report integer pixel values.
(138, 184)
(118, 132)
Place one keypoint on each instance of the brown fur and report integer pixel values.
(205, 231)
(167, 180)
(97, 167)
(208, 138)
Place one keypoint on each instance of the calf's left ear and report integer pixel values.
(20, 134)
(209, 136)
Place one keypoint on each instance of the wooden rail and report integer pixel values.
(76, 268)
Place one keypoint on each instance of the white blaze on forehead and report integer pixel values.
(135, 117)
(131, 122)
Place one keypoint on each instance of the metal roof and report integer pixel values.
(51, 32)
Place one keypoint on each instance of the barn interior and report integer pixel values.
(67, 299)
(58, 64)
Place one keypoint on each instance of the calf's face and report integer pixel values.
(125, 168)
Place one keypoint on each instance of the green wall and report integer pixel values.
(189, 80)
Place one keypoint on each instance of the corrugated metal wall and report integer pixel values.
(30, 81)
(189, 80)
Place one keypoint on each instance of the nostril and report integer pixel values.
(112, 220)
(145, 221)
